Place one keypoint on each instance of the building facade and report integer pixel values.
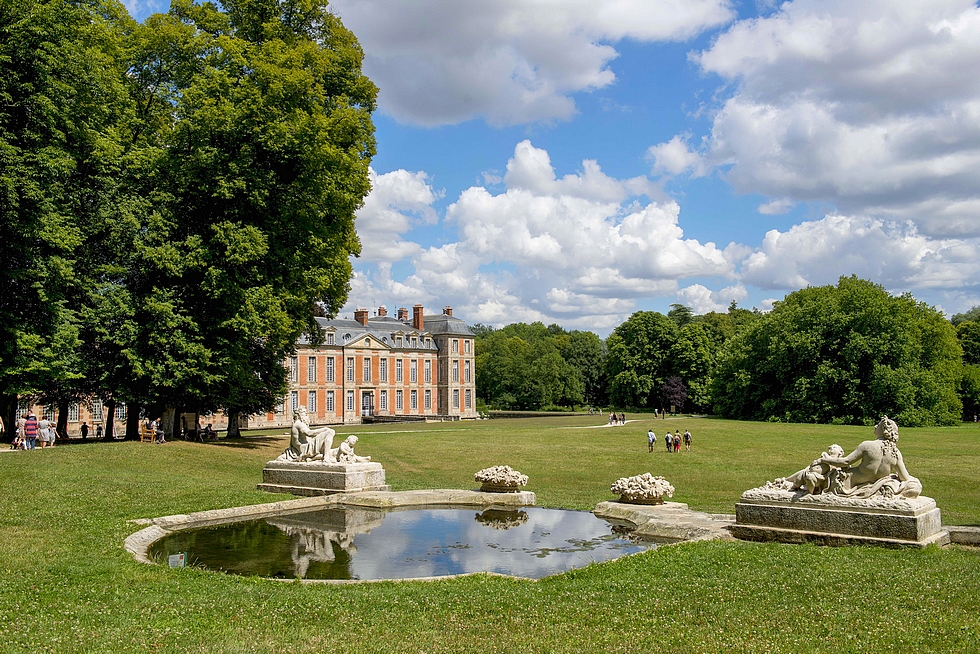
(405, 365)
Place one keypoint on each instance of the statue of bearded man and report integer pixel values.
(306, 444)
(876, 467)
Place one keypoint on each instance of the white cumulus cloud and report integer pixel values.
(872, 106)
(444, 61)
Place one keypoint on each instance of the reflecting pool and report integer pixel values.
(363, 543)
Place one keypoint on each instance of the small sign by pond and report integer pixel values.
(177, 560)
(529, 542)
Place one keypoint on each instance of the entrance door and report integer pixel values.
(367, 404)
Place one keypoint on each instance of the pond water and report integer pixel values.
(361, 543)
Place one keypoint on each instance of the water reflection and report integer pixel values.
(532, 542)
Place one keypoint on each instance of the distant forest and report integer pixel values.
(844, 354)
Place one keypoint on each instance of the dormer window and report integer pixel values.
(398, 341)
(346, 337)
(330, 338)
(415, 341)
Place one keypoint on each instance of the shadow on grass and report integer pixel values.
(247, 442)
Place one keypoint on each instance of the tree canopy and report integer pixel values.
(846, 353)
(183, 203)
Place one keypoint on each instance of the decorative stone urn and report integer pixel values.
(500, 479)
(642, 489)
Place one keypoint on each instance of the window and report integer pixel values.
(455, 398)
(467, 398)
(415, 341)
(281, 407)
(294, 369)
(330, 339)
(330, 404)
(399, 402)
(293, 400)
(311, 369)
(413, 371)
(428, 371)
(428, 400)
(72, 413)
(367, 342)
(120, 411)
(97, 411)
(414, 399)
(47, 413)
(384, 399)
(428, 343)
(398, 341)
(455, 345)
(346, 337)
(330, 365)
(383, 369)
(350, 368)
(311, 402)
(455, 370)
(350, 400)
(367, 369)
(466, 371)
(466, 346)
(398, 370)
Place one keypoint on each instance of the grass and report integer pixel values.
(67, 585)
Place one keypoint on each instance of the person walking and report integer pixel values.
(84, 430)
(651, 440)
(677, 440)
(30, 431)
(43, 429)
(669, 440)
(687, 440)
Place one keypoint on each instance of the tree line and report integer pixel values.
(844, 354)
(177, 198)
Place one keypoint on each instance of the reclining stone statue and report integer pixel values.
(306, 444)
(875, 468)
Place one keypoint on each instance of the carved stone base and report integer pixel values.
(318, 478)
(795, 517)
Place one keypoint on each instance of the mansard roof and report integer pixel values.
(442, 324)
(382, 329)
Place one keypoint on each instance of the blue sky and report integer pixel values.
(576, 161)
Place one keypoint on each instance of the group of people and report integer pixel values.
(31, 431)
(617, 418)
(672, 441)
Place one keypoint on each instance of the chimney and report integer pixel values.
(448, 311)
(403, 313)
(417, 321)
(382, 311)
(361, 316)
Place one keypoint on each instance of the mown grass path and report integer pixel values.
(67, 585)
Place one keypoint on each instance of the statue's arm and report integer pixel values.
(903, 473)
(845, 461)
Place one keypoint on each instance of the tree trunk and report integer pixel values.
(8, 413)
(179, 427)
(109, 413)
(233, 430)
(167, 421)
(133, 422)
(62, 428)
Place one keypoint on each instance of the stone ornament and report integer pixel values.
(642, 489)
(500, 479)
(875, 469)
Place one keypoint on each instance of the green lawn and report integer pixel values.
(66, 584)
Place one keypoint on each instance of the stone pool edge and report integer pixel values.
(138, 544)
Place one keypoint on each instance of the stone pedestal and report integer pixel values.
(794, 517)
(318, 478)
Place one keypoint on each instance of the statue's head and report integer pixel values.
(835, 450)
(352, 440)
(886, 429)
(301, 414)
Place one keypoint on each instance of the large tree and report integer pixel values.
(638, 361)
(846, 353)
